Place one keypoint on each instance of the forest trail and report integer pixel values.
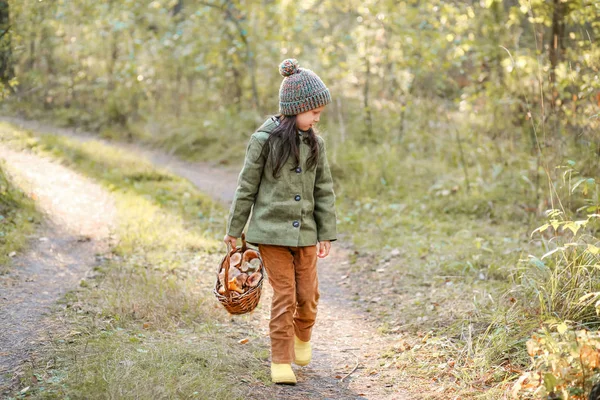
(214, 180)
(62, 252)
(346, 344)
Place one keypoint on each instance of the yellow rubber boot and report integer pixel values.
(303, 352)
(282, 373)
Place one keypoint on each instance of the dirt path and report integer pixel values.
(346, 345)
(345, 341)
(79, 217)
(210, 178)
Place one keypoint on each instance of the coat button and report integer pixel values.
(298, 170)
(297, 198)
(296, 224)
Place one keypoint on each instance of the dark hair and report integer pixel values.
(284, 142)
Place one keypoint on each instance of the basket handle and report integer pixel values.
(229, 251)
(226, 280)
(244, 245)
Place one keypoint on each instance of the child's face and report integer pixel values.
(307, 119)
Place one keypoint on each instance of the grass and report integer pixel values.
(147, 326)
(440, 237)
(442, 255)
(188, 137)
(18, 220)
(447, 282)
(440, 226)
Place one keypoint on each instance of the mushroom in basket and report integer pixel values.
(254, 279)
(236, 281)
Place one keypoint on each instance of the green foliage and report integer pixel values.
(562, 289)
(565, 364)
(18, 218)
(132, 63)
(562, 283)
(6, 89)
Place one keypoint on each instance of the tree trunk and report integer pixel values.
(235, 16)
(341, 119)
(366, 106)
(177, 92)
(251, 64)
(112, 61)
(498, 11)
(558, 28)
(237, 88)
(6, 66)
(390, 84)
(177, 8)
(556, 43)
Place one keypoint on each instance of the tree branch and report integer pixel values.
(5, 32)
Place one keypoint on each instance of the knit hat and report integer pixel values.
(301, 90)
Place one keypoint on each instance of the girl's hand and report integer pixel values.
(323, 249)
(230, 239)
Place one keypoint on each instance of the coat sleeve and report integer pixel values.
(324, 213)
(247, 188)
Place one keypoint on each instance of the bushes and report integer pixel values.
(563, 285)
(564, 280)
(566, 363)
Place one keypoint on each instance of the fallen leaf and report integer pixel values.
(244, 341)
(589, 356)
(424, 340)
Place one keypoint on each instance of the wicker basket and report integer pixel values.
(234, 302)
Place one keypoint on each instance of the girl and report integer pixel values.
(287, 183)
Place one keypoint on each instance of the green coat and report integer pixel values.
(298, 209)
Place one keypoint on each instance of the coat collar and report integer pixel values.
(271, 123)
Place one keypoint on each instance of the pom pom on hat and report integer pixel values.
(288, 67)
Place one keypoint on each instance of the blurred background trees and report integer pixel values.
(198, 76)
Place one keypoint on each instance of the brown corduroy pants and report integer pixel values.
(292, 273)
